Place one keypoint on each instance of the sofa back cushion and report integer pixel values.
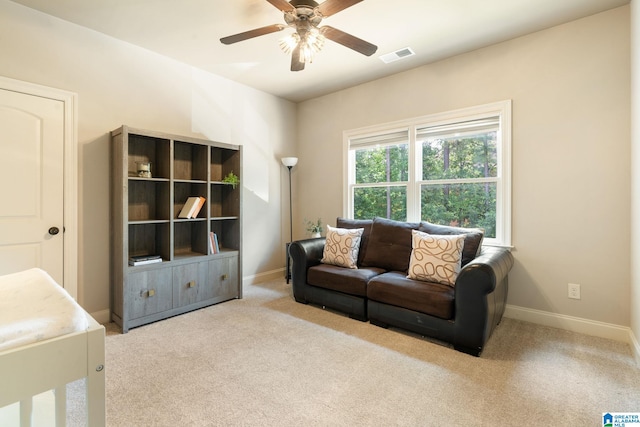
(358, 223)
(389, 244)
(472, 239)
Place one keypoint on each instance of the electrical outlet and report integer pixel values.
(574, 291)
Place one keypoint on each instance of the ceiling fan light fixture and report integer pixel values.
(311, 42)
(289, 43)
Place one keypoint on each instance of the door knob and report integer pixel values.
(54, 230)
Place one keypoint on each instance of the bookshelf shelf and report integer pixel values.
(144, 219)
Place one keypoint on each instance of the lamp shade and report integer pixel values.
(289, 161)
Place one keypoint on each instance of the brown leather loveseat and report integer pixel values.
(384, 283)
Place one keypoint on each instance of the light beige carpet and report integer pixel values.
(266, 360)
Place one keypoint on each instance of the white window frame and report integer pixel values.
(501, 109)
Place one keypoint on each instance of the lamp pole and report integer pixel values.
(289, 162)
(290, 208)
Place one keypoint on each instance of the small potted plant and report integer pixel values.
(231, 179)
(314, 227)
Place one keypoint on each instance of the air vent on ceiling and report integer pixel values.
(397, 55)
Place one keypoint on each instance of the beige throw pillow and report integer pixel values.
(342, 246)
(435, 258)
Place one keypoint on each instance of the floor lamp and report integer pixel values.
(289, 162)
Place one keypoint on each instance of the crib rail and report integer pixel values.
(50, 365)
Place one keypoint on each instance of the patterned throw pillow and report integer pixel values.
(435, 258)
(342, 246)
(472, 240)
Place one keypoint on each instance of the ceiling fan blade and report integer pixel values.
(297, 63)
(330, 7)
(282, 5)
(345, 39)
(252, 33)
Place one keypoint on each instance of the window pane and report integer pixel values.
(382, 164)
(461, 205)
(386, 202)
(471, 156)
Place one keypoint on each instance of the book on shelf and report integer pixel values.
(191, 207)
(199, 206)
(213, 243)
(144, 259)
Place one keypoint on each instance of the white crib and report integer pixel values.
(46, 342)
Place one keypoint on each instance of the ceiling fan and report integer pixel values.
(304, 16)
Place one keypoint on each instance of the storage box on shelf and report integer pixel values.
(145, 207)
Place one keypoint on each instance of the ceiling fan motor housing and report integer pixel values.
(300, 3)
(305, 14)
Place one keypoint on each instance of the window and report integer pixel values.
(381, 176)
(452, 168)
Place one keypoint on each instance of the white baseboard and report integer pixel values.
(264, 277)
(103, 316)
(635, 347)
(573, 324)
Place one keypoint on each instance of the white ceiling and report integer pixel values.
(190, 30)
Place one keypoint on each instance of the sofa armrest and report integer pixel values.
(480, 297)
(304, 254)
(485, 272)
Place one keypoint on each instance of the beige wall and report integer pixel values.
(635, 177)
(118, 83)
(571, 120)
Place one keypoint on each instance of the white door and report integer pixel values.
(31, 183)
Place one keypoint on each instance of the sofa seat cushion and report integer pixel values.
(347, 280)
(395, 288)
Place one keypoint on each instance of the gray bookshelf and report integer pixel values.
(192, 273)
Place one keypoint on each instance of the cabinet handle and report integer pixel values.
(151, 292)
(192, 284)
(224, 277)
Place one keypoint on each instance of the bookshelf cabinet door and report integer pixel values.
(190, 284)
(149, 292)
(223, 276)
